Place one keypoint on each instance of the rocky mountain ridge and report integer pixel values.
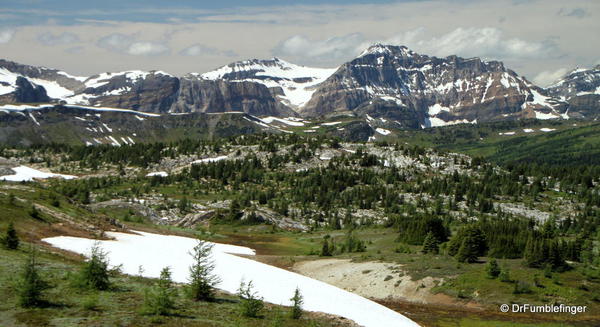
(581, 89)
(392, 83)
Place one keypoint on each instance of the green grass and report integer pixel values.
(119, 306)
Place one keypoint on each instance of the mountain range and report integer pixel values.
(401, 88)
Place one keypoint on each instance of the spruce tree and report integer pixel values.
(202, 280)
(468, 244)
(430, 245)
(505, 275)
(10, 240)
(159, 300)
(492, 269)
(297, 301)
(94, 274)
(326, 248)
(31, 285)
(250, 303)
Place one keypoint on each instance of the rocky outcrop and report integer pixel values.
(202, 95)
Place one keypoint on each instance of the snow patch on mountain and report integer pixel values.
(53, 89)
(288, 121)
(8, 81)
(298, 83)
(26, 174)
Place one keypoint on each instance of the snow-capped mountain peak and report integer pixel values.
(297, 83)
(380, 48)
(578, 82)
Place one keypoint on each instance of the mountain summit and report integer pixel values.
(394, 83)
(420, 90)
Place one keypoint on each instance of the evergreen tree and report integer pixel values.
(31, 285)
(234, 210)
(430, 245)
(326, 249)
(297, 301)
(492, 269)
(202, 280)
(250, 303)
(94, 274)
(468, 244)
(183, 205)
(10, 240)
(159, 300)
(34, 213)
(505, 275)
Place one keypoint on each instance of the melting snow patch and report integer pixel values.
(528, 130)
(114, 141)
(436, 109)
(276, 285)
(215, 159)
(286, 121)
(23, 173)
(543, 116)
(157, 173)
(382, 131)
(507, 133)
(34, 120)
(332, 123)
(547, 129)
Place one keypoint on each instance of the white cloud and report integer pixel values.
(334, 48)
(116, 42)
(50, 39)
(128, 44)
(146, 48)
(203, 50)
(487, 42)
(547, 78)
(6, 35)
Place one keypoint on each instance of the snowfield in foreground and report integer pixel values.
(153, 252)
(25, 174)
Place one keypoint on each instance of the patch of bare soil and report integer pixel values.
(375, 280)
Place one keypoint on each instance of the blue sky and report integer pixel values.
(27, 12)
(541, 39)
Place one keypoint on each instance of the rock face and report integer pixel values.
(202, 95)
(581, 89)
(24, 91)
(398, 83)
(153, 91)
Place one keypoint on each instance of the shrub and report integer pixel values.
(250, 304)
(522, 287)
(95, 274)
(505, 275)
(159, 300)
(492, 269)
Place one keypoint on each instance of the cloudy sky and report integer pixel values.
(541, 39)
